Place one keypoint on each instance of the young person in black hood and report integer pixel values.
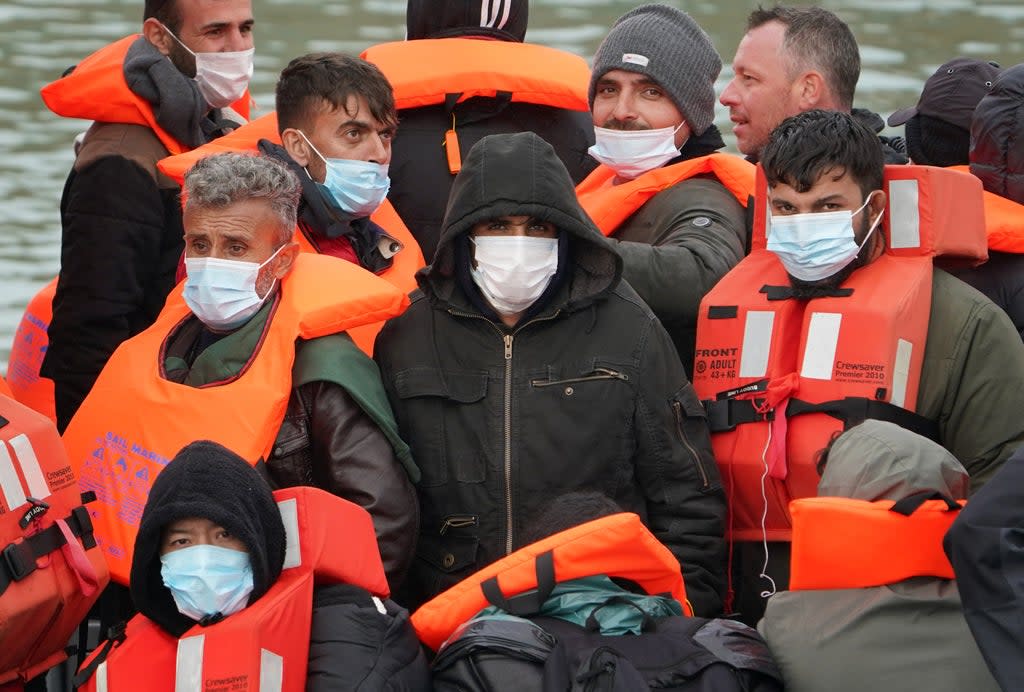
(526, 368)
(425, 159)
(212, 543)
(674, 206)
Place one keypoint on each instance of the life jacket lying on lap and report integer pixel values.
(778, 376)
(265, 646)
(51, 571)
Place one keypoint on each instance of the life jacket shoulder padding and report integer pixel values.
(618, 545)
(842, 543)
(423, 72)
(27, 351)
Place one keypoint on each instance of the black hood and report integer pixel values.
(205, 480)
(520, 175)
(997, 136)
(501, 19)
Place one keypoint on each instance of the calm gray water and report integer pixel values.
(902, 42)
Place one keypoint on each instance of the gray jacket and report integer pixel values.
(907, 635)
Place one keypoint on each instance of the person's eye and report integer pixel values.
(652, 93)
(496, 226)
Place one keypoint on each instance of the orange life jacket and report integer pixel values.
(426, 71)
(265, 646)
(778, 375)
(618, 545)
(27, 351)
(134, 420)
(401, 273)
(50, 573)
(609, 205)
(1004, 221)
(840, 543)
(97, 90)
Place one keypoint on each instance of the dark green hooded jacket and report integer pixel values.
(585, 393)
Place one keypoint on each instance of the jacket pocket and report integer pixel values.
(444, 561)
(692, 431)
(440, 416)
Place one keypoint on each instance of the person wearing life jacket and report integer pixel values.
(251, 352)
(673, 205)
(589, 575)
(995, 124)
(792, 60)
(223, 576)
(872, 602)
(336, 120)
(462, 73)
(170, 89)
(838, 316)
(525, 368)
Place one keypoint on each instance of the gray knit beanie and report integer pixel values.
(669, 47)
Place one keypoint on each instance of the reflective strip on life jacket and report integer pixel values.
(609, 205)
(618, 545)
(117, 449)
(841, 543)
(930, 211)
(423, 72)
(266, 645)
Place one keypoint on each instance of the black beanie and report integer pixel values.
(209, 481)
(501, 19)
(935, 142)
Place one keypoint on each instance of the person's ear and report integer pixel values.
(285, 259)
(810, 90)
(876, 205)
(157, 35)
(297, 146)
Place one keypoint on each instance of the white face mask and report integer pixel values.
(513, 271)
(222, 77)
(631, 153)
(816, 246)
(222, 293)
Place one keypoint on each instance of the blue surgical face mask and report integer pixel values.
(355, 187)
(207, 579)
(222, 293)
(816, 246)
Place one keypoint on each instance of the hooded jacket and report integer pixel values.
(997, 131)
(420, 175)
(356, 643)
(907, 635)
(585, 392)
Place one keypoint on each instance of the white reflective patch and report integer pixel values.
(904, 214)
(10, 484)
(101, 677)
(635, 59)
(26, 455)
(271, 671)
(822, 339)
(380, 605)
(188, 668)
(901, 372)
(757, 343)
(290, 516)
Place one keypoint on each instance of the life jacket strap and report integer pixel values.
(855, 409)
(911, 503)
(115, 637)
(528, 602)
(18, 560)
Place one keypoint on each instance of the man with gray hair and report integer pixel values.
(673, 205)
(792, 60)
(250, 352)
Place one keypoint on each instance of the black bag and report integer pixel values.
(549, 654)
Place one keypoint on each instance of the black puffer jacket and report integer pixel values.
(587, 393)
(997, 136)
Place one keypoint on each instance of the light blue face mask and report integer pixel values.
(355, 187)
(207, 579)
(816, 246)
(222, 293)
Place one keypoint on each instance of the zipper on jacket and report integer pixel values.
(597, 374)
(457, 521)
(677, 409)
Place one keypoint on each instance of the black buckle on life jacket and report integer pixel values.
(725, 414)
(19, 561)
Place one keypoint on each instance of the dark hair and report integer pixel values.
(806, 146)
(817, 39)
(566, 511)
(935, 142)
(822, 454)
(166, 12)
(311, 80)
